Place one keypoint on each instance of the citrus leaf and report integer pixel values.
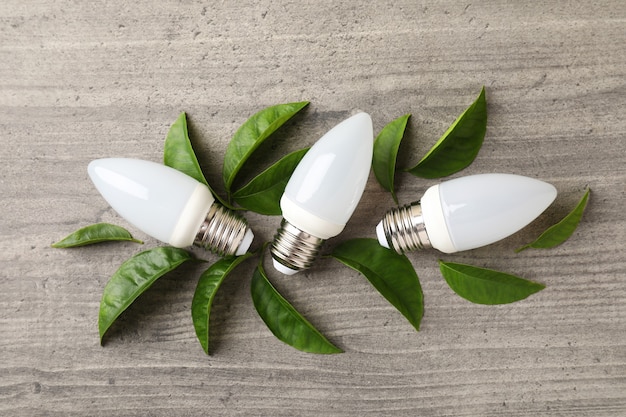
(252, 134)
(207, 287)
(262, 194)
(179, 154)
(134, 277)
(390, 273)
(283, 320)
(486, 286)
(386, 148)
(560, 232)
(95, 233)
(459, 145)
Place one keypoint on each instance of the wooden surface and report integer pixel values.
(82, 80)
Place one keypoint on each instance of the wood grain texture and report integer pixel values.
(82, 80)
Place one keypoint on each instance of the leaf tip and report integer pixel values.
(101, 330)
(522, 248)
(182, 118)
(299, 105)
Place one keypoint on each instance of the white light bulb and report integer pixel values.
(466, 213)
(323, 192)
(169, 205)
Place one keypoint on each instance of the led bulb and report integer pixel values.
(323, 192)
(169, 205)
(466, 213)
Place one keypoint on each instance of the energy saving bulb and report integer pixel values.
(169, 205)
(465, 213)
(323, 192)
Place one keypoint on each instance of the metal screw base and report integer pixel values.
(222, 231)
(294, 248)
(404, 228)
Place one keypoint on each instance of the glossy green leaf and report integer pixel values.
(560, 232)
(95, 233)
(283, 320)
(458, 146)
(386, 148)
(207, 287)
(390, 273)
(179, 154)
(252, 134)
(262, 194)
(486, 286)
(134, 277)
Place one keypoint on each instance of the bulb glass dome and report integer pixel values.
(161, 201)
(482, 209)
(327, 184)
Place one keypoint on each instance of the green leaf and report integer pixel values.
(95, 233)
(386, 148)
(560, 232)
(207, 287)
(283, 320)
(486, 286)
(134, 277)
(178, 154)
(390, 273)
(458, 146)
(262, 194)
(252, 134)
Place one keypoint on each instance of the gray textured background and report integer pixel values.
(82, 80)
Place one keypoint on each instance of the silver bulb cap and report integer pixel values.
(402, 229)
(224, 232)
(293, 249)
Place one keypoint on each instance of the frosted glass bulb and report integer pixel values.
(169, 205)
(323, 192)
(466, 213)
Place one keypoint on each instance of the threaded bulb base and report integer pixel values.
(223, 232)
(404, 228)
(294, 249)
